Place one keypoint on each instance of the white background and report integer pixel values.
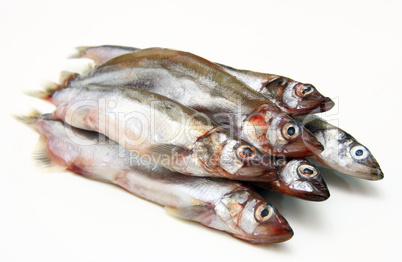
(350, 50)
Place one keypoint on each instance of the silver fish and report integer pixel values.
(292, 97)
(342, 151)
(161, 130)
(206, 87)
(224, 205)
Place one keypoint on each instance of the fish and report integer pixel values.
(298, 178)
(342, 152)
(207, 88)
(292, 97)
(225, 205)
(160, 130)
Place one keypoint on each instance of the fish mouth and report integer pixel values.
(280, 235)
(376, 174)
(318, 195)
(370, 173)
(309, 190)
(277, 234)
(326, 105)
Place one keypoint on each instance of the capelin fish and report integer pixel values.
(342, 151)
(298, 178)
(292, 97)
(160, 130)
(206, 87)
(224, 205)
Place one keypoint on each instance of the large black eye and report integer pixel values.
(246, 152)
(359, 152)
(307, 170)
(290, 130)
(307, 88)
(263, 212)
(304, 90)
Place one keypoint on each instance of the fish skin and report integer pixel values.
(340, 150)
(279, 89)
(224, 205)
(162, 131)
(206, 87)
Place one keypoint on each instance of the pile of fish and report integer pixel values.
(196, 137)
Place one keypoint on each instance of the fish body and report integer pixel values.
(342, 152)
(224, 205)
(292, 97)
(162, 131)
(207, 88)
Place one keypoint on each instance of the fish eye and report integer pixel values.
(263, 212)
(246, 152)
(291, 130)
(359, 152)
(307, 170)
(304, 90)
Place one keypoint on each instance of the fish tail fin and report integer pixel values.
(41, 158)
(45, 93)
(66, 77)
(79, 52)
(51, 87)
(30, 118)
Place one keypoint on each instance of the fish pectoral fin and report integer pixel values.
(198, 213)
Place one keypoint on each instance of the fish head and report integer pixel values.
(275, 133)
(295, 98)
(346, 155)
(299, 178)
(234, 158)
(249, 217)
